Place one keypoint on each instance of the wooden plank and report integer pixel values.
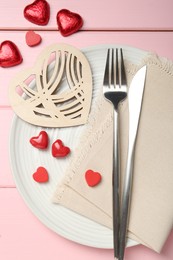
(97, 15)
(23, 236)
(6, 179)
(159, 42)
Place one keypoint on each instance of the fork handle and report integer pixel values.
(126, 199)
(115, 186)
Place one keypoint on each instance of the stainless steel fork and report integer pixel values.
(115, 91)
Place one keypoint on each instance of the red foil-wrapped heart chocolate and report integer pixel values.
(68, 22)
(38, 12)
(9, 54)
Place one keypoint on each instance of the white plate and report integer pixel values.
(25, 159)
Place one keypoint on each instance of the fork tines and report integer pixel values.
(115, 71)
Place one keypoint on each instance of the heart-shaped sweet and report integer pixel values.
(40, 141)
(68, 22)
(9, 54)
(38, 12)
(59, 150)
(32, 38)
(92, 178)
(41, 175)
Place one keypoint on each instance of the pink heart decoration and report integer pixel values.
(32, 38)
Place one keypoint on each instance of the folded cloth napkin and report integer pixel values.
(151, 214)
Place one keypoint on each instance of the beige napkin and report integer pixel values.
(151, 215)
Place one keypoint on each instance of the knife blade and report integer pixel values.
(135, 97)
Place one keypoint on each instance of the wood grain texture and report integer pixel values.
(97, 15)
(6, 179)
(143, 24)
(23, 236)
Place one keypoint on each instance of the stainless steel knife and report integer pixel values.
(135, 97)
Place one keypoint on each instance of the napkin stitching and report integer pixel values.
(164, 64)
(95, 137)
(74, 165)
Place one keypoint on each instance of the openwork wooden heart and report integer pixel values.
(56, 91)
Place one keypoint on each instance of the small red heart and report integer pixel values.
(32, 38)
(38, 12)
(40, 141)
(92, 178)
(41, 175)
(68, 22)
(59, 150)
(9, 54)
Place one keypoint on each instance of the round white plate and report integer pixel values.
(25, 159)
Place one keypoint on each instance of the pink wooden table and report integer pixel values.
(145, 24)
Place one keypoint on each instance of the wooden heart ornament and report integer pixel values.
(68, 22)
(92, 178)
(38, 12)
(56, 91)
(41, 175)
(9, 54)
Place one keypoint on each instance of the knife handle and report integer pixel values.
(135, 97)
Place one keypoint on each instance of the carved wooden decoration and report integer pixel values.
(56, 91)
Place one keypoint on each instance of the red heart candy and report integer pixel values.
(32, 38)
(59, 150)
(40, 141)
(9, 54)
(68, 22)
(92, 178)
(38, 12)
(41, 175)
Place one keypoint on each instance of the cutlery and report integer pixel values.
(115, 91)
(135, 97)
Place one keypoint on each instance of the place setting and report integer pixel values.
(91, 144)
